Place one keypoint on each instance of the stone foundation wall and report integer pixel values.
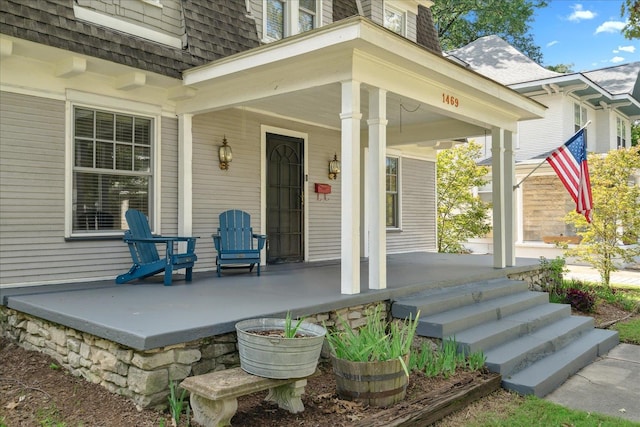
(141, 375)
(538, 279)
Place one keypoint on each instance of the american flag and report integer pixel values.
(570, 163)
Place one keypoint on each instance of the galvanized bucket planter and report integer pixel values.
(373, 383)
(278, 357)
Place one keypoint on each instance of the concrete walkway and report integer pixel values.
(610, 385)
(627, 277)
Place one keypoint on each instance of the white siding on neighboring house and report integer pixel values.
(418, 198)
(536, 137)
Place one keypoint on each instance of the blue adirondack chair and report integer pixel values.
(235, 241)
(146, 260)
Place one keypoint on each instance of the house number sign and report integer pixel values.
(450, 99)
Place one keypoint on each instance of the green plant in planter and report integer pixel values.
(378, 340)
(290, 330)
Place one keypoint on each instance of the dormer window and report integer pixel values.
(395, 19)
(286, 18)
(274, 21)
(307, 15)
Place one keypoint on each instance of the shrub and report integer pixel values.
(581, 300)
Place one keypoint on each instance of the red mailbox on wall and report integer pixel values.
(323, 189)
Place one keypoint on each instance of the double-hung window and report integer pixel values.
(621, 133)
(112, 168)
(284, 18)
(393, 192)
(395, 19)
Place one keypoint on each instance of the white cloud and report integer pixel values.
(579, 13)
(552, 43)
(616, 59)
(629, 49)
(610, 27)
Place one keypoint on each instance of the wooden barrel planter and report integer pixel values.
(373, 383)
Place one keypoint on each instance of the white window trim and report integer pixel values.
(89, 15)
(116, 105)
(291, 15)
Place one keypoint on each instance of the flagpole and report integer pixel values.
(542, 162)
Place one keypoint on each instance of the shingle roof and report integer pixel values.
(618, 80)
(52, 23)
(427, 34)
(343, 9)
(493, 57)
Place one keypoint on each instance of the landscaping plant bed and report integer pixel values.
(427, 400)
(34, 390)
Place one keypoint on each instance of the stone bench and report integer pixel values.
(214, 395)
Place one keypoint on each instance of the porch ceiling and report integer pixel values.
(299, 78)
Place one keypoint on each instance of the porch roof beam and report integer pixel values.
(364, 52)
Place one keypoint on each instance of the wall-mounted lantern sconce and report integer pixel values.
(225, 154)
(334, 167)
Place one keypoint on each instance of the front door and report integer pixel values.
(285, 198)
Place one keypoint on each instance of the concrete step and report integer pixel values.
(535, 345)
(451, 322)
(519, 353)
(545, 375)
(493, 333)
(439, 300)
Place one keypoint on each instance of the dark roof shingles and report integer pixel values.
(52, 22)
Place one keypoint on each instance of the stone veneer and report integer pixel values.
(141, 375)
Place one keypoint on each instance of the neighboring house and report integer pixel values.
(609, 98)
(108, 105)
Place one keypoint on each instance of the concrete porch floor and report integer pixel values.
(145, 314)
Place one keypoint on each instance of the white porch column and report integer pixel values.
(375, 188)
(509, 200)
(498, 197)
(350, 180)
(185, 177)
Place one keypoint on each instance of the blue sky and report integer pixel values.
(583, 33)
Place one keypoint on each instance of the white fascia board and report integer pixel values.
(125, 27)
(271, 53)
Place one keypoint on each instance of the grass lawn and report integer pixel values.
(538, 412)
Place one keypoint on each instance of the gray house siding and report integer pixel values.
(32, 197)
(216, 190)
(418, 199)
(169, 172)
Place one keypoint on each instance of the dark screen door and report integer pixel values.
(285, 213)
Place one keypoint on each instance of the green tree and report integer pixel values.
(561, 68)
(632, 29)
(461, 215)
(616, 212)
(635, 133)
(459, 22)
